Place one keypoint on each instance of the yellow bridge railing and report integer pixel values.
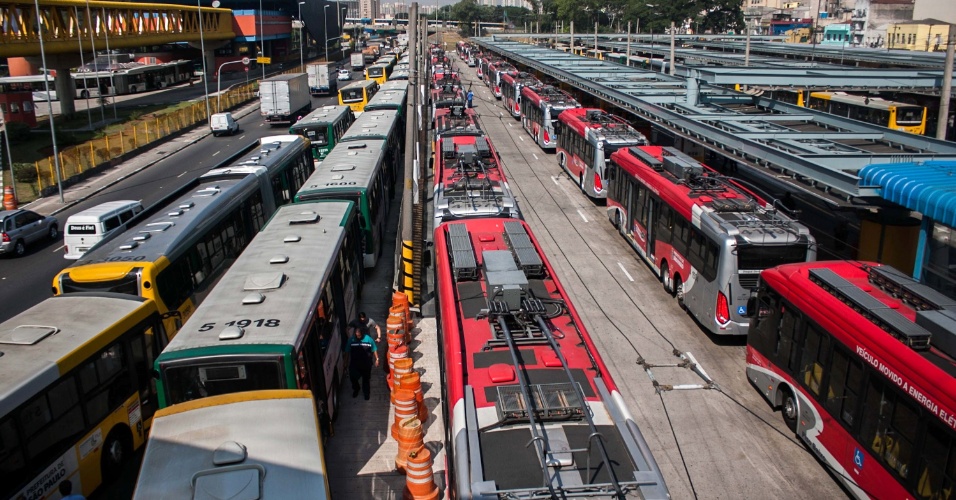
(69, 24)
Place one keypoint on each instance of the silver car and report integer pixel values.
(19, 228)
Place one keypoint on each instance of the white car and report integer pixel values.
(344, 74)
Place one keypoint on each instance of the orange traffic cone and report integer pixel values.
(395, 353)
(395, 329)
(419, 480)
(400, 299)
(398, 316)
(410, 439)
(406, 406)
(9, 199)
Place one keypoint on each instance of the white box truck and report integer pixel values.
(321, 79)
(358, 61)
(282, 98)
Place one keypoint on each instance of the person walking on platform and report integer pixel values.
(471, 95)
(361, 353)
(367, 324)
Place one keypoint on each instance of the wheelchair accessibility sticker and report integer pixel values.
(858, 458)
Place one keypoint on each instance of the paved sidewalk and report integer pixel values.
(76, 193)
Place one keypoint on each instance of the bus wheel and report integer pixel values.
(85, 94)
(665, 278)
(617, 221)
(679, 291)
(116, 451)
(581, 181)
(562, 159)
(789, 409)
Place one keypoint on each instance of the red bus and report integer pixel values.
(705, 237)
(532, 410)
(540, 106)
(445, 97)
(469, 180)
(511, 85)
(861, 359)
(494, 73)
(586, 139)
(455, 119)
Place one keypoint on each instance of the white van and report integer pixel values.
(89, 227)
(223, 123)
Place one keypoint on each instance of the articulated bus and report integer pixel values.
(323, 127)
(861, 361)
(182, 244)
(357, 94)
(358, 171)
(278, 319)
(76, 395)
(511, 86)
(586, 139)
(895, 115)
(706, 237)
(382, 125)
(469, 179)
(274, 438)
(532, 410)
(130, 79)
(540, 106)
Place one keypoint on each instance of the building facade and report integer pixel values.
(369, 9)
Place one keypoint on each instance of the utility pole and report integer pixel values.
(627, 57)
(411, 141)
(673, 31)
(595, 39)
(747, 49)
(946, 91)
(572, 37)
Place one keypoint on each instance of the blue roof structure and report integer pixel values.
(926, 187)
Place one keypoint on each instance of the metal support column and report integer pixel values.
(946, 91)
(407, 273)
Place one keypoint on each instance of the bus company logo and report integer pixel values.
(639, 232)
(678, 259)
(912, 391)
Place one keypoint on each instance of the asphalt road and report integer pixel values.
(27, 280)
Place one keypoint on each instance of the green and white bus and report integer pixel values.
(277, 319)
(362, 172)
(324, 127)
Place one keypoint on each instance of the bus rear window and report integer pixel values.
(352, 95)
(909, 116)
(375, 72)
(186, 382)
(317, 137)
(759, 257)
(128, 285)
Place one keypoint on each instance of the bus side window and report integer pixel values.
(846, 384)
(889, 426)
(815, 351)
(937, 477)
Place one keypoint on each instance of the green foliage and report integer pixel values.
(25, 172)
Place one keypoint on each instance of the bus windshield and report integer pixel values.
(186, 382)
(909, 115)
(352, 95)
(759, 257)
(375, 72)
(317, 136)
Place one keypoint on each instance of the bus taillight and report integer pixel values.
(597, 182)
(722, 314)
(547, 138)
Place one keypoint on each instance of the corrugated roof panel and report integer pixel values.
(927, 187)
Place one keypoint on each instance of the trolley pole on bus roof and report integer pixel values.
(411, 145)
(946, 90)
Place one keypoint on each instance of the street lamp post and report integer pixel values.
(325, 29)
(301, 38)
(245, 60)
(46, 85)
(262, 40)
(205, 74)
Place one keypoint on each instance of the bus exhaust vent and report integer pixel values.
(264, 281)
(27, 334)
(130, 245)
(877, 312)
(551, 402)
(187, 205)
(462, 253)
(524, 252)
(209, 191)
(680, 165)
(142, 237)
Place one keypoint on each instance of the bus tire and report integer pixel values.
(679, 291)
(666, 278)
(617, 221)
(562, 159)
(116, 451)
(789, 409)
(85, 94)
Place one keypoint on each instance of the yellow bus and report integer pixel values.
(895, 115)
(176, 249)
(356, 94)
(76, 394)
(274, 435)
(378, 73)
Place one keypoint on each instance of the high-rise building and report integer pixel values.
(369, 9)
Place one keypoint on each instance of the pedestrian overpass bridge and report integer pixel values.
(72, 26)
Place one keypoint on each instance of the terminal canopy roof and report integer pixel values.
(925, 187)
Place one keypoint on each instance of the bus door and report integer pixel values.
(146, 344)
(651, 211)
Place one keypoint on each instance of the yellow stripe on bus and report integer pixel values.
(234, 397)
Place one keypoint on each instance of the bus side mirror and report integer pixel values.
(751, 306)
(427, 254)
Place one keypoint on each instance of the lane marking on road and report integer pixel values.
(582, 215)
(214, 154)
(509, 125)
(182, 174)
(554, 179)
(625, 271)
(520, 136)
(241, 137)
(57, 250)
(535, 156)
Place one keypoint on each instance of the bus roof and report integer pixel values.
(557, 98)
(602, 125)
(350, 166)
(387, 99)
(279, 445)
(284, 266)
(378, 124)
(358, 84)
(320, 117)
(401, 86)
(33, 356)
